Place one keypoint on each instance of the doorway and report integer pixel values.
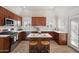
(73, 40)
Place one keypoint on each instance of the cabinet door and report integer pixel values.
(56, 37)
(63, 38)
(22, 36)
(1, 10)
(52, 34)
(6, 44)
(1, 44)
(1, 20)
(38, 21)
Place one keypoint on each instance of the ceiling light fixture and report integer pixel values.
(24, 6)
(51, 7)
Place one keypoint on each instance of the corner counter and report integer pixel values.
(60, 37)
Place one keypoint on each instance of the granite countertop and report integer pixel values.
(4, 35)
(41, 35)
(60, 31)
(41, 31)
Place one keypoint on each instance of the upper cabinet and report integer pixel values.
(38, 21)
(4, 13)
(1, 20)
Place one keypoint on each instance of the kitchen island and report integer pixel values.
(39, 42)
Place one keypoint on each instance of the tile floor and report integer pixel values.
(23, 47)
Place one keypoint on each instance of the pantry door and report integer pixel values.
(74, 34)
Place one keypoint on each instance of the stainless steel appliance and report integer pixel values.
(10, 22)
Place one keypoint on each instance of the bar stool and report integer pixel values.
(33, 46)
(45, 46)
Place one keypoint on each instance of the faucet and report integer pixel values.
(38, 30)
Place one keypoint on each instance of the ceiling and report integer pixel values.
(31, 10)
(40, 10)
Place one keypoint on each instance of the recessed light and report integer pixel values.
(24, 6)
(51, 7)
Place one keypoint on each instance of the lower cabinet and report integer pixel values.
(52, 34)
(22, 36)
(5, 44)
(60, 38)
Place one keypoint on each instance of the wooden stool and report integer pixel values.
(45, 46)
(33, 46)
(45, 42)
(33, 43)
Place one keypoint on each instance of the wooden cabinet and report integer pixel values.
(60, 38)
(4, 13)
(63, 38)
(5, 44)
(52, 34)
(22, 36)
(1, 20)
(38, 21)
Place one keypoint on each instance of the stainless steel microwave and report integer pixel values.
(9, 22)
